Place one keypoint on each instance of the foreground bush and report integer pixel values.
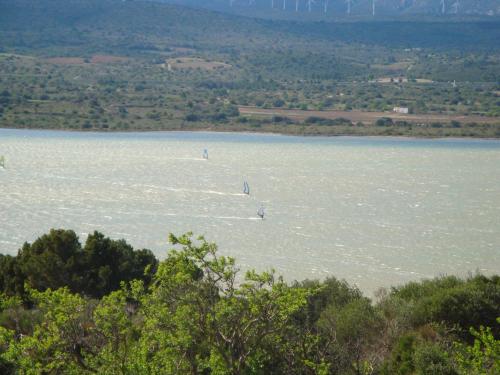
(194, 314)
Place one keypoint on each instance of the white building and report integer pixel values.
(400, 110)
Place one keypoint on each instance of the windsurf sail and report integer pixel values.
(205, 154)
(246, 188)
(261, 212)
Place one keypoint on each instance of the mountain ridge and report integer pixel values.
(321, 9)
(146, 25)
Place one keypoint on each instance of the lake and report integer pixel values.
(374, 211)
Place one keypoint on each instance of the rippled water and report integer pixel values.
(374, 211)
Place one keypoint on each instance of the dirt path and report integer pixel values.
(366, 117)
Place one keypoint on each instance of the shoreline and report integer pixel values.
(262, 133)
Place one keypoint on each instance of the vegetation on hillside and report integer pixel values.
(195, 314)
(113, 65)
(340, 9)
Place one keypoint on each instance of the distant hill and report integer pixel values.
(299, 9)
(116, 23)
(135, 26)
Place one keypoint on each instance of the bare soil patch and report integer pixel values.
(96, 59)
(66, 60)
(392, 80)
(367, 117)
(107, 59)
(195, 63)
(183, 50)
(398, 66)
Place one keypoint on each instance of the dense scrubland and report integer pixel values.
(113, 65)
(106, 308)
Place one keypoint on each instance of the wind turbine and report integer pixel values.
(373, 8)
(272, 4)
(443, 6)
(284, 4)
(349, 6)
(326, 6)
(456, 6)
(309, 3)
(296, 5)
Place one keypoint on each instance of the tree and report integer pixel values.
(197, 315)
(351, 330)
(433, 359)
(11, 277)
(211, 322)
(460, 303)
(60, 342)
(52, 261)
(57, 260)
(105, 263)
(483, 356)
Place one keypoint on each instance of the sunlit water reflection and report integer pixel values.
(374, 211)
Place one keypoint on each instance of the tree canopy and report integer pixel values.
(196, 313)
(57, 260)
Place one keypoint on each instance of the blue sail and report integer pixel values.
(261, 212)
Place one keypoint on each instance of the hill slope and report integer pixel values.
(133, 25)
(108, 64)
(321, 9)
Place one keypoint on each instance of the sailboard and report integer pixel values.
(260, 212)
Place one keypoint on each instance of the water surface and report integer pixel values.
(375, 211)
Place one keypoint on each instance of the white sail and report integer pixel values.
(246, 188)
(205, 154)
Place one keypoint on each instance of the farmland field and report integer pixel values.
(365, 116)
